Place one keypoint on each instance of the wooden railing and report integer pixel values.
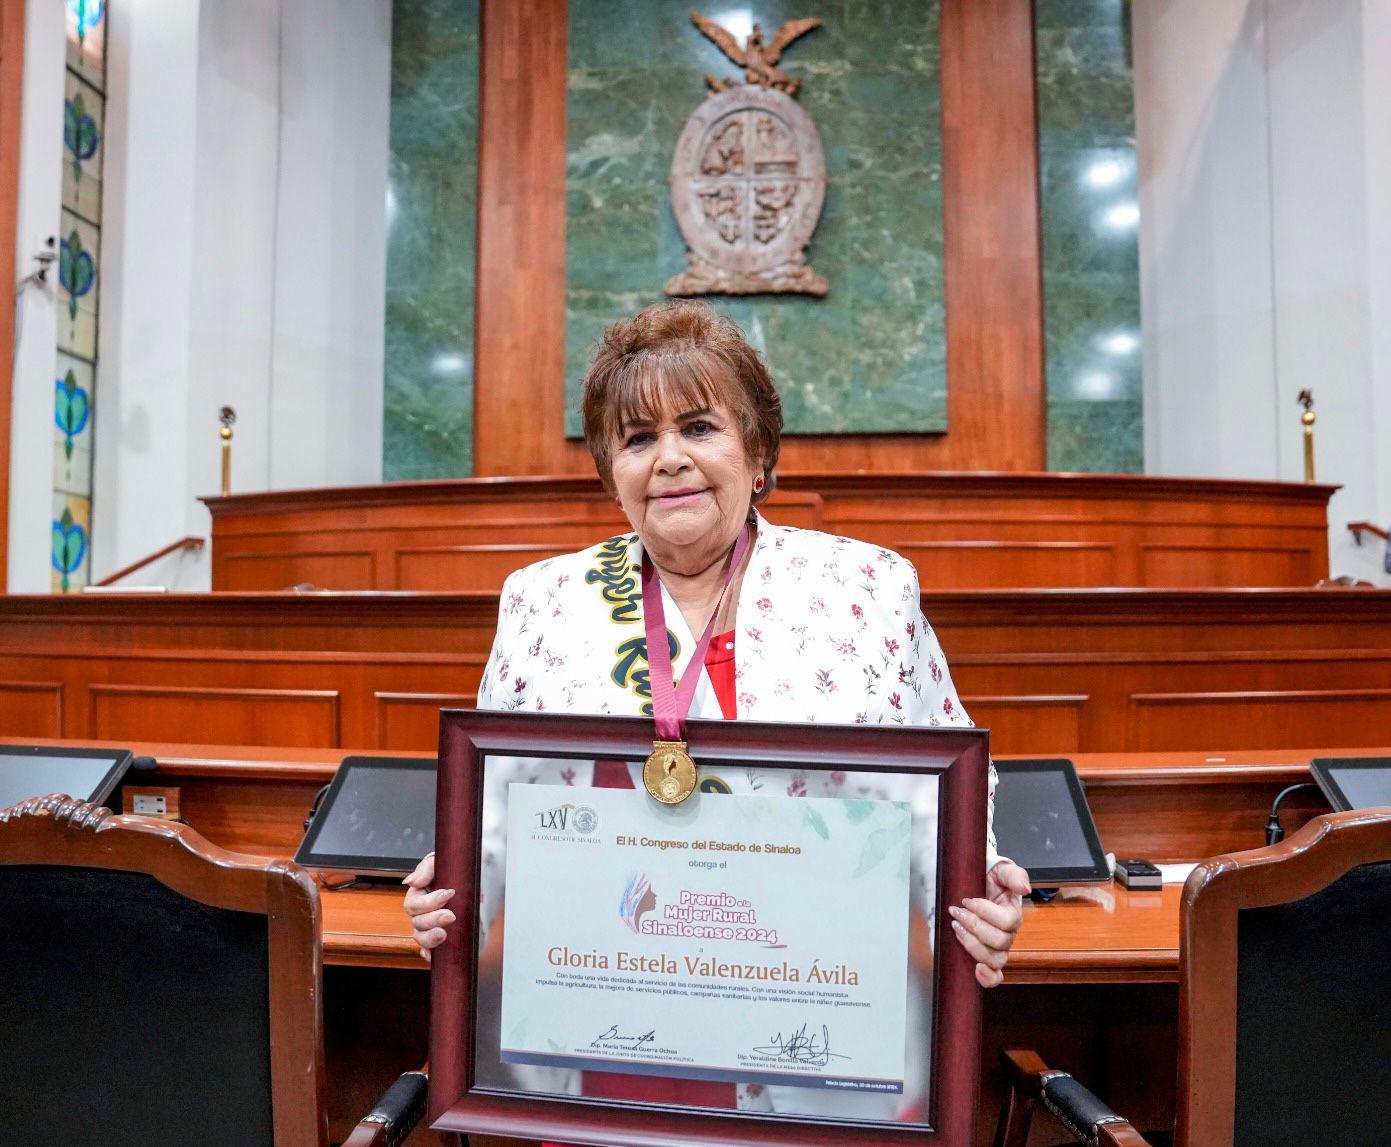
(1360, 528)
(189, 543)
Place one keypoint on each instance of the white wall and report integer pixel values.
(290, 266)
(142, 498)
(243, 264)
(1205, 258)
(1265, 236)
(330, 270)
(36, 322)
(1322, 286)
(231, 317)
(1376, 81)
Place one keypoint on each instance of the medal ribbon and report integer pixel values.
(671, 704)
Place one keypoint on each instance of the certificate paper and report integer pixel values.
(752, 939)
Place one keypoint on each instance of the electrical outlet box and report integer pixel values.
(156, 802)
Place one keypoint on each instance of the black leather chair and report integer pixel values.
(161, 991)
(1284, 1003)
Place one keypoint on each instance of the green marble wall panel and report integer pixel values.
(1091, 266)
(872, 355)
(432, 196)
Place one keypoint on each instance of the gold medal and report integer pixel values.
(670, 774)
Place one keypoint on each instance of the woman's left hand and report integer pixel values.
(986, 926)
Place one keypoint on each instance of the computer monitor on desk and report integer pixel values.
(1354, 782)
(38, 771)
(1042, 822)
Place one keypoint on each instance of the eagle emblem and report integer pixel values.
(748, 178)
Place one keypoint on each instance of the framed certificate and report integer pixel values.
(758, 964)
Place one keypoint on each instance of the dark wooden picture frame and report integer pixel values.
(959, 758)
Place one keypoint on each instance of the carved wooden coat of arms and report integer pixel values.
(748, 178)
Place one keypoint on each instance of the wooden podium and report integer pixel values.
(961, 530)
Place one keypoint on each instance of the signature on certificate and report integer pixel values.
(802, 1046)
(614, 1038)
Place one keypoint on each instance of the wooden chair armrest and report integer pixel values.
(394, 1115)
(1023, 1069)
(1082, 1114)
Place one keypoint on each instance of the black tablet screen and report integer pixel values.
(1036, 822)
(383, 811)
(1365, 787)
(25, 775)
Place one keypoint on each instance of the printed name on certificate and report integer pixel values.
(751, 939)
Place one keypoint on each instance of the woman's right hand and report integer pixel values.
(426, 906)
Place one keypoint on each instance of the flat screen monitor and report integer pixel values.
(1354, 782)
(1042, 822)
(377, 818)
(36, 771)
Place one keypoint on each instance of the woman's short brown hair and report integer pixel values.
(680, 352)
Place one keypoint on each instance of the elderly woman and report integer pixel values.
(684, 422)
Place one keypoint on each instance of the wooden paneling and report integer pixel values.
(1276, 718)
(241, 716)
(1197, 565)
(31, 708)
(519, 309)
(292, 669)
(1050, 671)
(412, 720)
(477, 567)
(963, 531)
(1181, 820)
(1002, 565)
(11, 89)
(995, 394)
(264, 815)
(995, 386)
(1055, 721)
(281, 570)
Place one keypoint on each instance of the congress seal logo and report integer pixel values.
(748, 178)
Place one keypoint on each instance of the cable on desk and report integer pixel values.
(1274, 832)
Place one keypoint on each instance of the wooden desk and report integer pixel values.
(1164, 806)
(1099, 934)
(1091, 984)
(963, 530)
(1092, 934)
(368, 928)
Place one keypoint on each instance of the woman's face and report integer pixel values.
(685, 482)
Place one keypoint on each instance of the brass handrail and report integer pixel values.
(189, 543)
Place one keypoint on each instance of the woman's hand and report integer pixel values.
(986, 926)
(426, 906)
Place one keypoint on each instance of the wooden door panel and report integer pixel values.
(322, 569)
(1194, 566)
(1293, 718)
(412, 720)
(1030, 724)
(31, 708)
(308, 717)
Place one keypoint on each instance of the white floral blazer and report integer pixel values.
(828, 630)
